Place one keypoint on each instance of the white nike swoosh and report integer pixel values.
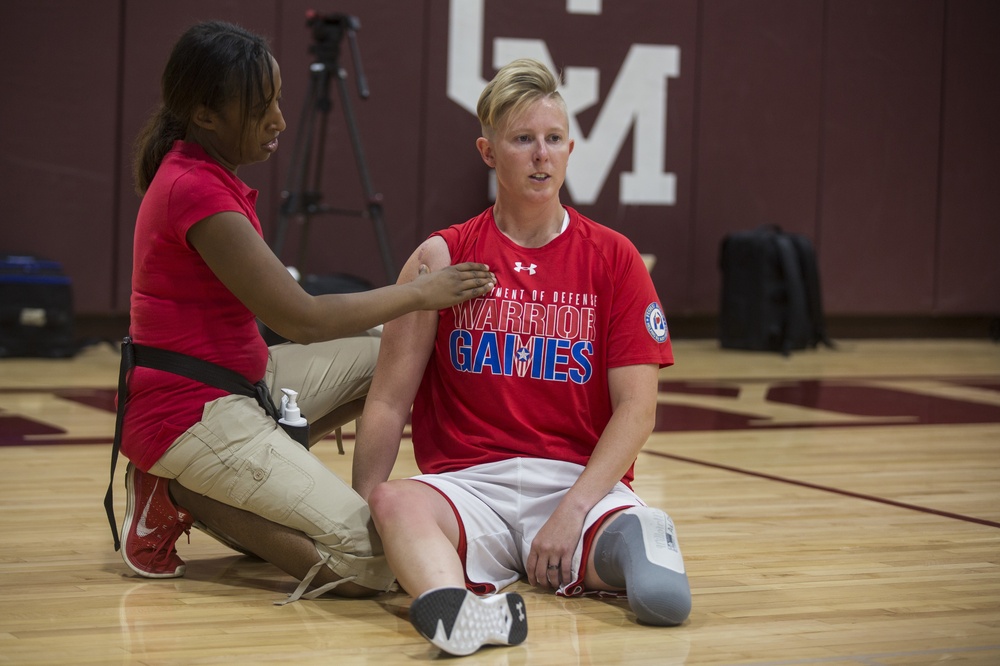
(142, 529)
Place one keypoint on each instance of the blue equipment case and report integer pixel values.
(36, 308)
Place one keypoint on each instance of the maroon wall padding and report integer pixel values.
(758, 126)
(870, 126)
(877, 226)
(968, 276)
(58, 156)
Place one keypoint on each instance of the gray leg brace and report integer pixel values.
(639, 551)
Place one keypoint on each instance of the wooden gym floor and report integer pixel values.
(839, 507)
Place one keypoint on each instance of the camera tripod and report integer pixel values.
(307, 156)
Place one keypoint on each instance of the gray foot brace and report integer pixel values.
(639, 551)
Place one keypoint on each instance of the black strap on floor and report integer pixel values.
(127, 363)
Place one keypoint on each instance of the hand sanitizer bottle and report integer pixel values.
(292, 420)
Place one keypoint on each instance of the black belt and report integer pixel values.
(186, 366)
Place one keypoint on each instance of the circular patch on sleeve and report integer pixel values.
(656, 323)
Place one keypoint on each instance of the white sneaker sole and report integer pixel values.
(459, 622)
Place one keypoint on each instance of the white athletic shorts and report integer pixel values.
(500, 508)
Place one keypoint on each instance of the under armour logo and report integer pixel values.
(531, 269)
(520, 611)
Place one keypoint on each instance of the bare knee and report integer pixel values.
(390, 501)
(407, 505)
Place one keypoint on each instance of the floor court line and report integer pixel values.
(828, 489)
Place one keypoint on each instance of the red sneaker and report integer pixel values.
(148, 537)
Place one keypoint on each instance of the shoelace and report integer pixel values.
(165, 545)
(300, 591)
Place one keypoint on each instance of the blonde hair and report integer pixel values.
(515, 86)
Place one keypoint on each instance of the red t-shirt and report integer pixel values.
(523, 371)
(178, 304)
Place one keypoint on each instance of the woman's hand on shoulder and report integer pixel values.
(451, 285)
(440, 285)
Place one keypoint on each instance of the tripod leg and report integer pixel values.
(311, 198)
(296, 200)
(373, 198)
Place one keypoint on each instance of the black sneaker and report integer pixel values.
(459, 622)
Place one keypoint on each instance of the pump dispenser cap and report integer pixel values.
(290, 408)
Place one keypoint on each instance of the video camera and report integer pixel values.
(328, 32)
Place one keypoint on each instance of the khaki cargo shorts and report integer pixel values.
(239, 456)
